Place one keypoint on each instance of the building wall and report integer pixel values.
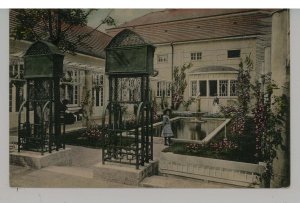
(280, 68)
(213, 53)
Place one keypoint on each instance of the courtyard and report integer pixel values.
(80, 174)
(138, 110)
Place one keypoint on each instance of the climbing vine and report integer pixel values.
(239, 112)
(87, 107)
(271, 117)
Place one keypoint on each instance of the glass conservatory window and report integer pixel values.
(233, 86)
(203, 88)
(213, 91)
(169, 88)
(194, 88)
(223, 88)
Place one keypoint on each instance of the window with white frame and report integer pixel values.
(193, 88)
(162, 58)
(196, 56)
(233, 87)
(98, 89)
(203, 88)
(223, 88)
(169, 89)
(17, 82)
(163, 89)
(212, 88)
(71, 86)
(159, 89)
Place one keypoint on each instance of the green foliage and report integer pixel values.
(239, 112)
(187, 103)
(179, 85)
(271, 117)
(164, 103)
(155, 111)
(79, 138)
(94, 133)
(54, 25)
(244, 84)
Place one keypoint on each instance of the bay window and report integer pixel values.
(212, 88)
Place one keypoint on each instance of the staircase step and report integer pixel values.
(179, 182)
(74, 171)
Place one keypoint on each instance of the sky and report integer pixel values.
(120, 15)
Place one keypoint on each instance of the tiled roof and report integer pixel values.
(93, 45)
(179, 25)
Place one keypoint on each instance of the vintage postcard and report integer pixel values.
(149, 98)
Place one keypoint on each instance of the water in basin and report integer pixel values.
(194, 128)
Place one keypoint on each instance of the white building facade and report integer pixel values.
(213, 41)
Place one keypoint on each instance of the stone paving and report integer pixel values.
(80, 174)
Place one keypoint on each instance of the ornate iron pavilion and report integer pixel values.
(44, 119)
(128, 115)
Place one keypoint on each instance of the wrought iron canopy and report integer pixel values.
(43, 60)
(129, 53)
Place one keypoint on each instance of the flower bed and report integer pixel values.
(84, 137)
(231, 147)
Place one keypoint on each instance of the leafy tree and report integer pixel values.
(179, 85)
(54, 25)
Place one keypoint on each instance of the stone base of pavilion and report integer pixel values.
(37, 161)
(124, 173)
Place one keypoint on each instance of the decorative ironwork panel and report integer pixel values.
(129, 53)
(127, 38)
(126, 89)
(129, 137)
(129, 63)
